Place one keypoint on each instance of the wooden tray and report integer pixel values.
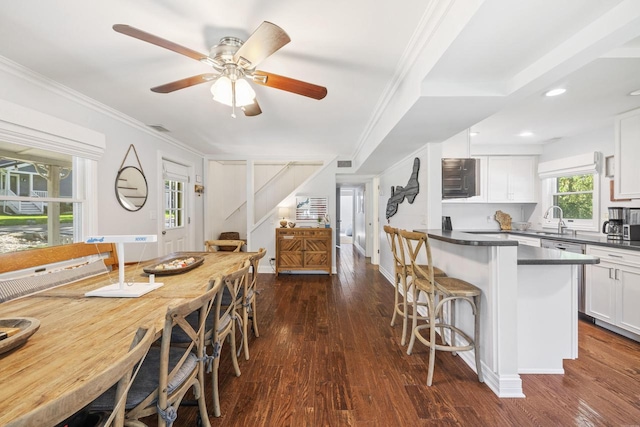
(165, 272)
(28, 326)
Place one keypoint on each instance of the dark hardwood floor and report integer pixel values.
(327, 356)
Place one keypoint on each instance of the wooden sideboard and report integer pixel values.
(303, 249)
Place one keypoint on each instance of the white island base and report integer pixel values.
(529, 305)
(547, 318)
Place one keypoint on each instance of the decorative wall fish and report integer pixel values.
(410, 191)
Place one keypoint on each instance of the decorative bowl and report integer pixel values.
(174, 265)
(27, 325)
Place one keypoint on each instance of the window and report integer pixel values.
(174, 204)
(50, 165)
(577, 196)
(37, 204)
(573, 184)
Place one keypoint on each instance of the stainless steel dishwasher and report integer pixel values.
(575, 248)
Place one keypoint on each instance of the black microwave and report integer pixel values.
(631, 232)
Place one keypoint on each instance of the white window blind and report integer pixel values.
(588, 163)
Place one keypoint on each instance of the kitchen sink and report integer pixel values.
(550, 233)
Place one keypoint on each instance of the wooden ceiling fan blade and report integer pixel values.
(158, 41)
(184, 83)
(289, 84)
(264, 41)
(252, 109)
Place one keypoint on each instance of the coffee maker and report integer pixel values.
(614, 226)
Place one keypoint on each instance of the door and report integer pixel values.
(175, 219)
(317, 250)
(600, 290)
(628, 298)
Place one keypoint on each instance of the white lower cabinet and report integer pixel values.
(613, 287)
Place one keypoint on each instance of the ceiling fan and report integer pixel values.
(235, 62)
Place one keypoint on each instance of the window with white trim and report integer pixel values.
(575, 188)
(38, 206)
(67, 154)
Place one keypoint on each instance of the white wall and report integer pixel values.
(24, 88)
(481, 216)
(322, 184)
(227, 181)
(423, 213)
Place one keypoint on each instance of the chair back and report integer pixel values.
(235, 282)
(217, 245)
(142, 340)
(414, 242)
(255, 263)
(179, 367)
(395, 242)
(177, 317)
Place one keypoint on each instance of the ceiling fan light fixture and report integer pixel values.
(222, 91)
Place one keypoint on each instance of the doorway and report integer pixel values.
(346, 215)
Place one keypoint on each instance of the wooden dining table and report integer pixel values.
(49, 378)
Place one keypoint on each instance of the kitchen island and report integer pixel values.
(529, 314)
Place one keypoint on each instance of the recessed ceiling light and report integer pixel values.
(635, 93)
(526, 133)
(555, 92)
(473, 133)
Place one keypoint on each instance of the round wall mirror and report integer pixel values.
(131, 188)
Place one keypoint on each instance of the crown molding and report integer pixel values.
(59, 89)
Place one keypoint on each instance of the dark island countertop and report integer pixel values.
(585, 239)
(527, 255)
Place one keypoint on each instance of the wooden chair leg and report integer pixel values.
(405, 312)
(245, 332)
(234, 356)
(432, 342)
(476, 338)
(214, 386)
(414, 323)
(396, 300)
(254, 315)
(200, 395)
(452, 309)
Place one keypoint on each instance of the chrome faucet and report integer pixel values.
(561, 224)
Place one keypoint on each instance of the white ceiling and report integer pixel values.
(397, 76)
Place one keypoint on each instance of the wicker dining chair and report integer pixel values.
(440, 292)
(225, 317)
(119, 377)
(249, 301)
(224, 245)
(169, 371)
(402, 276)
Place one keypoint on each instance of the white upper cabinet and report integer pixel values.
(511, 179)
(627, 153)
